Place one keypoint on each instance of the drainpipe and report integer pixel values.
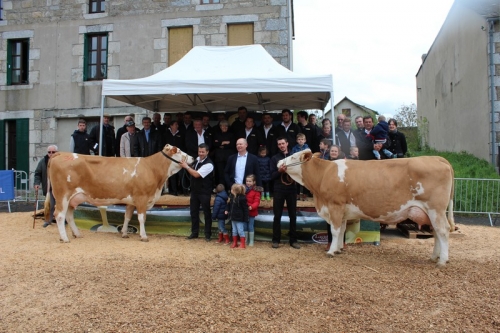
(491, 22)
(290, 34)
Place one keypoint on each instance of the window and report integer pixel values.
(346, 112)
(204, 2)
(96, 57)
(17, 61)
(96, 6)
(1, 10)
(240, 34)
(180, 42)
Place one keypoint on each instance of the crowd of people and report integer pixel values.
(239, 161)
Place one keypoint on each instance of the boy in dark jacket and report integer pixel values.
(265, 171)
(218, 213)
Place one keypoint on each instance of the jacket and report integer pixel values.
(264, 168)
(144, 148)
(251, 168)
(238, 208)
(127, 145)
(41, 174)
(220, 205)
(108, 140)
(253, 200)
(283, 183)
(81, 143)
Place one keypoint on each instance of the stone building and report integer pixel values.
(55, 53)
(458, 83)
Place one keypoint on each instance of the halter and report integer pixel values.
(289, 181)
(172, 159)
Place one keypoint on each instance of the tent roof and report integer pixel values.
(222, 78)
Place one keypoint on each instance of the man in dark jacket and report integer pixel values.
(201, 172)
(148, 141)
(240, 165)
(174, 137)
(80, 140)
(108, 138)
(252, 135)
(288, 128)
(41, 179)
(193, 138)
(285, 190)
(270, 133)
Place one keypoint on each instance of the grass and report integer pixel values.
(472, 196)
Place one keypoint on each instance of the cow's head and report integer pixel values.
(175, 155)
(294, 164)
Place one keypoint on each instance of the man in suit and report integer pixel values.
(240, 165)
(254, 138)
(148, 141)
(270, 133)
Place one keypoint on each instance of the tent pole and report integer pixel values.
(101, 124)
(332, 116)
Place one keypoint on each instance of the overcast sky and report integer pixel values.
(372, 48)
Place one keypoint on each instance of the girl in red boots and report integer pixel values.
(220, 206)
(253, 199)
(237, 209)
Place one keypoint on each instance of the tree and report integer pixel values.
(406, 115)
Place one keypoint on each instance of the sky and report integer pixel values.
(372, 48)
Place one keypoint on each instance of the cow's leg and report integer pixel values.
(129, 211)
(141, 216)
(340, 241)
(71, 222)
(60, 218)
(336, 234)
(441, 240)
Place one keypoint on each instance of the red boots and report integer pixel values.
(226, 239)
(219, 240)
(235, 242)
(242, 243)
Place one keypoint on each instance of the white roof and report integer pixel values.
(222, 78)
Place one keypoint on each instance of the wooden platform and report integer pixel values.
(410, 230)
(170, 200)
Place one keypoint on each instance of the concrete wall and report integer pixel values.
(137, 47)
(453, 85)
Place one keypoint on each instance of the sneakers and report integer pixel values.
(295, 245)
(276, 245)
(192, 236)
(46, 224)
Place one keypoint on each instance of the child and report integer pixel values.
(253, 201)
(300, 146)
(334, 153)
(353, 153)
(265, 171)
(324, 149)
(379, 135)
(301, 143)
(238, 213)
(220, 206)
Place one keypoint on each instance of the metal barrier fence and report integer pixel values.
(477, 196)
(21, 183)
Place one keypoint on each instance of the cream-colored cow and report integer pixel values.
(134, 181)
(388, 191)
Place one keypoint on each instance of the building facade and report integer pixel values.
(54, 55)
(458, 83)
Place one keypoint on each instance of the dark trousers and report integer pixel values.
(279, 200)
(173, 182)
(194, 208)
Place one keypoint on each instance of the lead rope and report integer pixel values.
(285, 178)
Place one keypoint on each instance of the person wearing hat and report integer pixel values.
(108, 137)
(128, 140)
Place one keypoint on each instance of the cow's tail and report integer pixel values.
(451, 219)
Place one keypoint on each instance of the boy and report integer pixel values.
(379, 135)
(324, 149)
(353, 153)
(301, 143)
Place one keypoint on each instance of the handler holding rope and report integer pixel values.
(285, 190)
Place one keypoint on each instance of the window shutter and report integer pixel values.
(9, 63)
(85, 57)
(2, 144)
(22, 145)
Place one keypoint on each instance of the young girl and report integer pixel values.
(334, 155)
(238, 213)
(265, 171)
(220, 206)
(253, 201)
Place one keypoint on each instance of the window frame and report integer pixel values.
(99, 61)
(210, 2)
(99, 4)
(1, 10)
(23, 62)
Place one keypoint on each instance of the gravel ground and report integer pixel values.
(103, 283)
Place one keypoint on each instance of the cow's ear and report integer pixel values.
(173, 150)
(306, 156)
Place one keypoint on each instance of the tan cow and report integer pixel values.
(134, 181)
(388, 191)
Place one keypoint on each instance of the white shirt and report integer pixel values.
(239, 172)
(266, 129)
(205, 169)
(201, 138)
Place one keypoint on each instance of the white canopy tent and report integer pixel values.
(222, 78)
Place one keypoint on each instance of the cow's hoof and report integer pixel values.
(329, 255)
(434, 259)
(124, 236)
(338, 252)
(63, 241)
(440, 264)
(144, 240)
(77, 236)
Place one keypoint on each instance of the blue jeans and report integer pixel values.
(238, 228)
(222, 226)
(250, 225)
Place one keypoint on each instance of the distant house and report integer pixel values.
(458, 83)
(352, 110)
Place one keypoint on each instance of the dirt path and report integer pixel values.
(103, 283)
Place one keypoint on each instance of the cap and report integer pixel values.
(130, 123)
